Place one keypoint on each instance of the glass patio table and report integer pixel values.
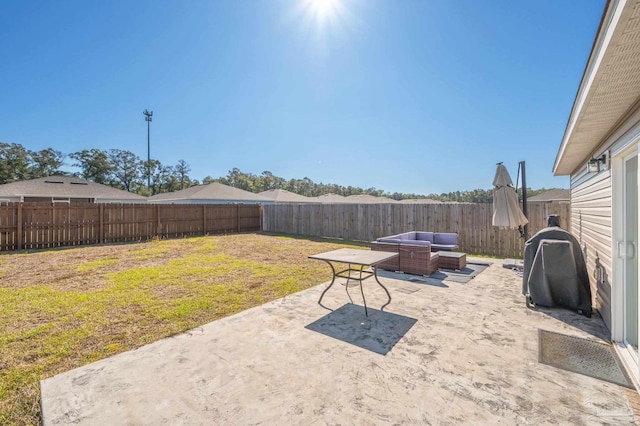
(356, 261)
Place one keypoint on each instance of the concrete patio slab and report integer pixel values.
(439, 354)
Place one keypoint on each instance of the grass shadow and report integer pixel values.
(363, 244)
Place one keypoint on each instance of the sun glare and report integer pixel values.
(324, 21)
(323, 11)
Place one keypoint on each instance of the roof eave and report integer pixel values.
(600, 42)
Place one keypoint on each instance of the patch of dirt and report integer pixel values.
(59, 268)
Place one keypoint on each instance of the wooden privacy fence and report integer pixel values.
(366, 222)
(40, 225)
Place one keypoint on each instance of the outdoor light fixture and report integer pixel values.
(595, 165)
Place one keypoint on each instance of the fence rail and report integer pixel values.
(366, 222)
(40, 225)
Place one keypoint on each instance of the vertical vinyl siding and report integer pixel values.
(591, 214)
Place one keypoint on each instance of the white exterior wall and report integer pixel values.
(9, 199)
(592, 208)
(591, 224)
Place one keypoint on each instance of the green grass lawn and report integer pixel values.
(61, 309)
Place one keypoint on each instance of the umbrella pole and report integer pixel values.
(524, 199)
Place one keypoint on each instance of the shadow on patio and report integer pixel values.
(438, 354)
(379, 332)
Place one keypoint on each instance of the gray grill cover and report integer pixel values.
(555, 273)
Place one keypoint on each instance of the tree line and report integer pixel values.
(123, 169)
(118, 168)
(268, 181)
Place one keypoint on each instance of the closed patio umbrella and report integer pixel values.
(506, 211)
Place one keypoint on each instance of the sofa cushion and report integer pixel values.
(424, 236)
(449, 247)
(393, 239)
(407, 236)
(415, 243)
(445, 238)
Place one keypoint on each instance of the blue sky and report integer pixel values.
(408, 96)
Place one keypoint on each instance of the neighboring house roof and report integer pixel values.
(609, 89)
(369, 199)
(66, 187)
(284, 196)
(420, 201)
(552, 195)
(211, 191)
(332, 198)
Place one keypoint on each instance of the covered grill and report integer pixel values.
(555, 273)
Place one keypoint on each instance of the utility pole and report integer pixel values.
(525, 210)
(148, 115)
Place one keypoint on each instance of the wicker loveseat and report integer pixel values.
(418, 250)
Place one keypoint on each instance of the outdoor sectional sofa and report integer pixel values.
(418, 250)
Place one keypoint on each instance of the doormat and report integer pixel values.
(436, 279)
(463, 275)
(582, 356)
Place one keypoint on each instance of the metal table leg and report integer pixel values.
(359, 279)
(362, 292)
(333, 279)
(375, 274)
(346, 286)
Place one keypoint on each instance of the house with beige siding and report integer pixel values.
(282, 196)
(599, 151)
(65, 189)
(212, 193)
(559, 196)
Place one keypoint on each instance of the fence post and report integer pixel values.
(204, 219)
(19, 227)
(158, 225)
(101, 230)
(238, 217)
